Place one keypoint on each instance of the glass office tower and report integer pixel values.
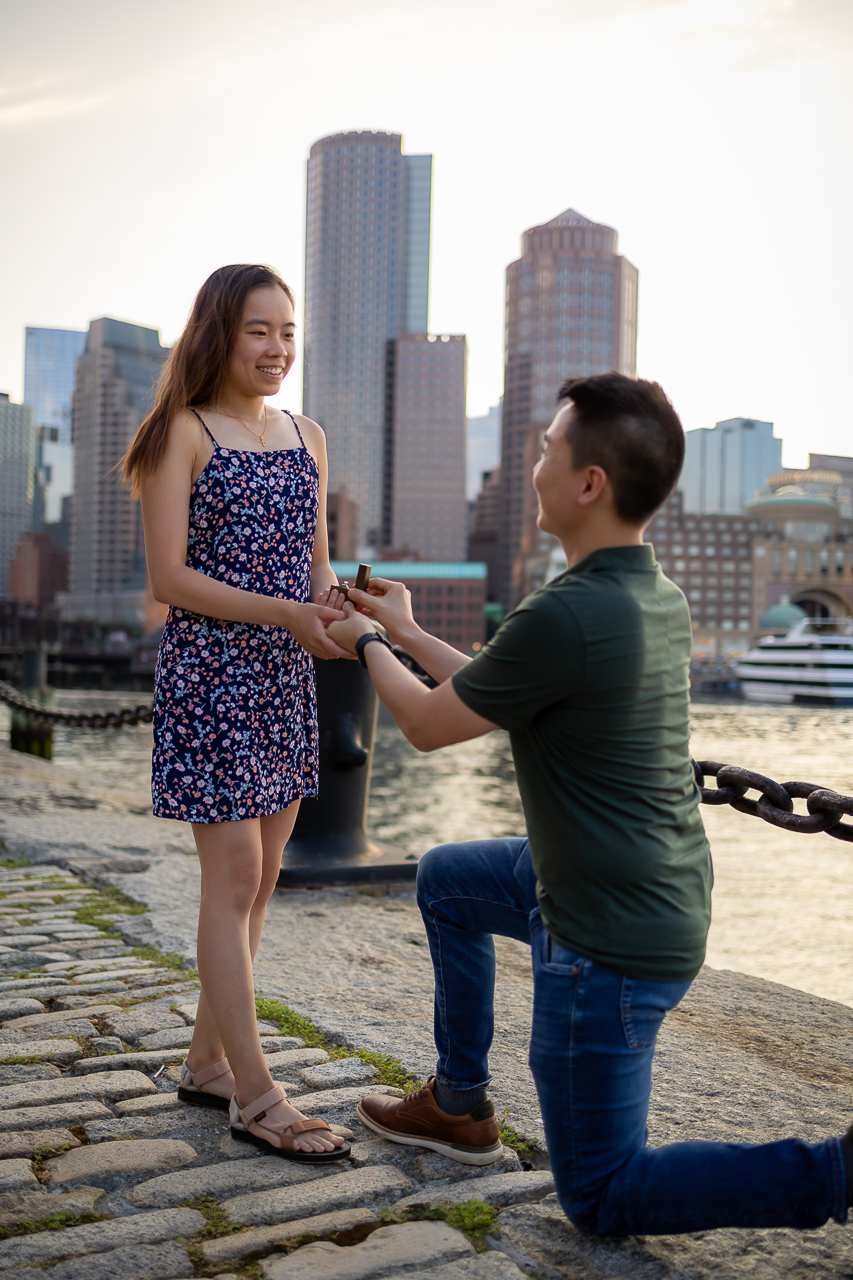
(50, 364)
(366, 281)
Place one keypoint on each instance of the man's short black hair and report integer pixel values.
(628, 427)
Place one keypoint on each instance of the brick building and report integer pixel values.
(448, 598)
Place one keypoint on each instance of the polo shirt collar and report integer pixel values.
(634, 559)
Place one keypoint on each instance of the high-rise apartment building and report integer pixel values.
(366, 281)
(50, 364)
(483, 449)
(423, 509)
(727, 465)
(115, 381)
(17, 469)
(571, 310)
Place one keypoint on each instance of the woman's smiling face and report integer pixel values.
(265, 347)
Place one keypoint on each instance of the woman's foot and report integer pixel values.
(221, 1086)
(286, 1114)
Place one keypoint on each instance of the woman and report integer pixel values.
(233, 503)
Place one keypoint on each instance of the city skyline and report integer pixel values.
(756, 326)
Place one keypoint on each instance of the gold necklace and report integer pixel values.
(260, 437)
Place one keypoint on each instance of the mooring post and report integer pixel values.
(32, 736)
(329, 842)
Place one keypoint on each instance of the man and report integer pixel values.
(612, 886)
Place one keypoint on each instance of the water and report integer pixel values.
(783, 903)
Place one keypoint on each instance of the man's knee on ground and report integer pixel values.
(433, 868)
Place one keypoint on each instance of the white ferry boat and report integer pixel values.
(813, 663)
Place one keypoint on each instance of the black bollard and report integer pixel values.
(34, 737)
(329, 843)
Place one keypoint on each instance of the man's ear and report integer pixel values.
(595, 482)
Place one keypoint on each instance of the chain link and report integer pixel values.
(142, 714)
(825, 808)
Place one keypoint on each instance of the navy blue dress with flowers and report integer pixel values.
(235, 712)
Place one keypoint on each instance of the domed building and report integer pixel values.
(802, 558)
(779, 618)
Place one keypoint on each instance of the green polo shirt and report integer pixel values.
(590, 675)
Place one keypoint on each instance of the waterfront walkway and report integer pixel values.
(87, 1027)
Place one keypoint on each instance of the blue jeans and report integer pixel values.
(591, 1051)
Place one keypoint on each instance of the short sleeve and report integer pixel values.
(537, 658)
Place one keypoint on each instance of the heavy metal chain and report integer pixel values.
(142, 714)
(826, 808)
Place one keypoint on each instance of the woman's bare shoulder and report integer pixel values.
(311, 430)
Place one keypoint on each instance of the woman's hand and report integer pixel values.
(307, 624)
(390, 603)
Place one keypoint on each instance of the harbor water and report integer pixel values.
(783, 903)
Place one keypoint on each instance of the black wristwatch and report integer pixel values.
(365, 640)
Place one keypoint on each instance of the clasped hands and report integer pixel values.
(388, 603)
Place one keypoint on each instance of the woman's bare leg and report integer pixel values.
(239, 868)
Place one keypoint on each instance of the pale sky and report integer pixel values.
(142, 145)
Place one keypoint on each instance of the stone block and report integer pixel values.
(276, 1043)
(17, 1175)
(71, 1000)
(351, 1190)
(31, 1206)
(188, 1013)
(22, 1071)
(153, 1126)
(499, 1189)
(136, 1023)
(165, 989)
(19, 1007)
(24, 1142)
(431, 1167)
(338, 1074)
(108, 1160)
(129, 1061)
(152, 1104)
(106, 1044)
(388, 1250)
(15, 985)
(296, 1058)
(65, 1113)
(171, 1038)
(103, 1084)
(73, 1027)
(100, 1239)
(46, 1019)
(147, 1262)
(62, 1052)
(14, 960)
(483, 1266)
(24, 939)
(255, 1176)
(258, 1239)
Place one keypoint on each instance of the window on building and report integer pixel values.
(839, 561)
(808, 562)
(824, 562)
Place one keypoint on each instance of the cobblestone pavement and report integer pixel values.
(129, 1183)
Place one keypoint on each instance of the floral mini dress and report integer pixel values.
(235, 709)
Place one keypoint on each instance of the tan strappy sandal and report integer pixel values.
(190, 1091)
(240, 1132)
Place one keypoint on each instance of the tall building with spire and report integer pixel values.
(367, 250)
(571, 310)
(115, 389)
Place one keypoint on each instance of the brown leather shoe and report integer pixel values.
(417, 1121)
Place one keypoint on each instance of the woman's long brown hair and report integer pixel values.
(197, 370)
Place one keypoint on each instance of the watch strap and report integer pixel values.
(368, 638)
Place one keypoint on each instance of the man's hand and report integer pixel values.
(307, 624)
(390, 603)
(346, 633)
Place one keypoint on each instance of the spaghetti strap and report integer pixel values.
(207, 428)
(298, 432)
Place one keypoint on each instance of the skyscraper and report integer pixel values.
(726, 465)
(571, 310)
(50, 363)
(17, 467)
(114, 391)
(424, 499)
(366, 281)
